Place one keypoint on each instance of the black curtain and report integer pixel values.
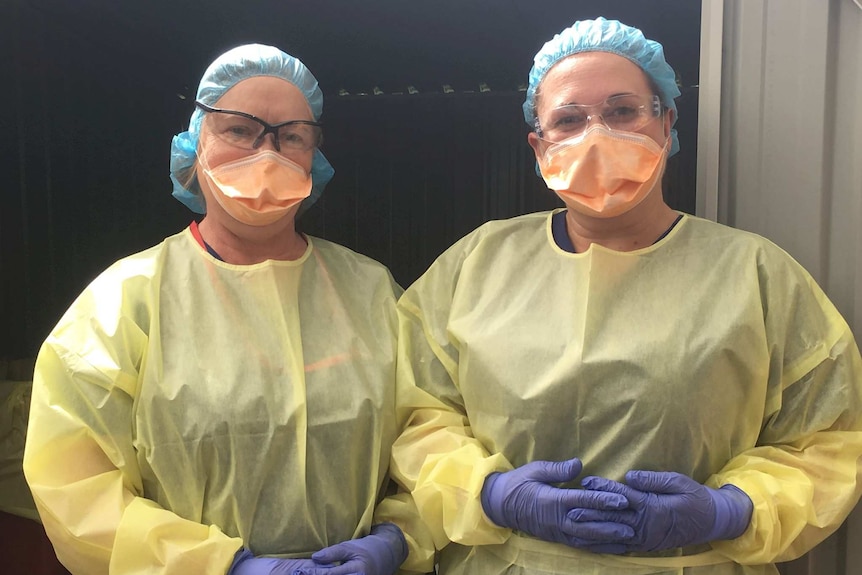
(414, 173)
(87, 123)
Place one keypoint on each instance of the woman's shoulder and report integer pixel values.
(138, 266)
(770, 258)
(491, 240)
(123, 289)
(700, 229)
(499, 232)
(337, 252)
(134, 277)
(349, 263)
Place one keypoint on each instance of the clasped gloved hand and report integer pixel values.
(245, 563)
(379, 553)
(666, 510)
(524, 499)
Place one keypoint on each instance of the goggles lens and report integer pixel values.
(246, 131)
(625, 113)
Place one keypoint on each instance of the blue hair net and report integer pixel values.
(226, 71)
(602, 35)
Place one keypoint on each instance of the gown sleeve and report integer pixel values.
(399, 508)
(79, 457)
(803, 476)
(437, 458)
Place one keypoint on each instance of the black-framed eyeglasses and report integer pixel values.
(247, 131)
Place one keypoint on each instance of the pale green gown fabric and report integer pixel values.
(711, 353)
(184, 406)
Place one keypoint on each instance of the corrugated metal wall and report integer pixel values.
(788, 158)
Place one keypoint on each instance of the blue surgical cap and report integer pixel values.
(226, 71)
(602, 35)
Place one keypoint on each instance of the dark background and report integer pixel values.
(95, 89)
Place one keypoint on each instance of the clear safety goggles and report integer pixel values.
(247, 131)
(625, 113)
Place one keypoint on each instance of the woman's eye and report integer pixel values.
(569, 121)
(239, 131)
(622, 112)
(299, 137)
(292, 137)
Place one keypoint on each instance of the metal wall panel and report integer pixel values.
(790, 161)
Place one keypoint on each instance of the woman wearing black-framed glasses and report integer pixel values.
(224, 401)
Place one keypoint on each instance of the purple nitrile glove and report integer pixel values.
(245, 563)
(523, 499)
(379, 553)
(666, 510)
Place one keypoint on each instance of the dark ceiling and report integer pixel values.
(164, 45)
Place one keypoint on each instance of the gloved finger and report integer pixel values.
(334, 553)
(321, 565)
(349, 568)
(592, 499)
(594, 483)
(553, 471)
(623, 517)
(661, 481)
(599, 531)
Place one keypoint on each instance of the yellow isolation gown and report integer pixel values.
(183, 407)
(711, 353)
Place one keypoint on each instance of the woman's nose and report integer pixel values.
(598, 117)
(264, 142)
